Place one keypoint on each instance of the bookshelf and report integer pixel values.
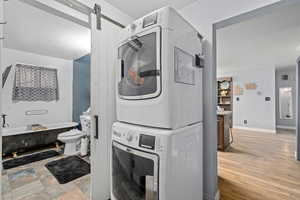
(225, 95)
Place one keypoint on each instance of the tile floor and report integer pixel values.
(35, 182)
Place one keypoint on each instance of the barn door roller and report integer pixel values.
(97, 11)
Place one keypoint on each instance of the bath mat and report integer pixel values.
(24, 160)
(68, 169)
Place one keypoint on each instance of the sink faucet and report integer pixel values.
(4, 124)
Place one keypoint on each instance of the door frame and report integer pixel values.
(244, 17)
(1, 56)
(297, 153)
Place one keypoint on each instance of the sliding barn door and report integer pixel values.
(298, 110)
(1, 61)
(103, 109)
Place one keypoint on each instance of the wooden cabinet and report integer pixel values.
(224, 124)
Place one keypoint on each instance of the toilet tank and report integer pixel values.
(85, 121)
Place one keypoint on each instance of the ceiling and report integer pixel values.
(272, 40)
(33, 30)
(139, 8)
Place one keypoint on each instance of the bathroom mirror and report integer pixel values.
(286, 103)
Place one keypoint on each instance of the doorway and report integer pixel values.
(247, 53)
(285, 91)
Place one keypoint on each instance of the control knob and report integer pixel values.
(133, 26)
(129, 137)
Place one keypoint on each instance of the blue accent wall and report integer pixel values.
(81, 86)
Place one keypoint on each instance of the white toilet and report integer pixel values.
(72, 138)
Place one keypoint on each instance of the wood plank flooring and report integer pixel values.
(259, 166)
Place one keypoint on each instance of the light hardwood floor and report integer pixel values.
(259, 166)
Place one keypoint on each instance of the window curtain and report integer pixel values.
(33, 83)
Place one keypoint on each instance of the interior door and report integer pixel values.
(1, 59)
(103, 62)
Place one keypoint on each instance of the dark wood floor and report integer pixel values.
(260, 166)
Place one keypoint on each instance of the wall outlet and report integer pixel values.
(245, 121)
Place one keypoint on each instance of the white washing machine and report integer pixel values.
(156, 164)
(159, 76)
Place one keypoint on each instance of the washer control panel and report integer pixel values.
(136, 139)
(126, 137)
(147, 141)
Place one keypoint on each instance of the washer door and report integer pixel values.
(134, 174)
(139, 58)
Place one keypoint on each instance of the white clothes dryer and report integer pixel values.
(156, 164)
(159, 73)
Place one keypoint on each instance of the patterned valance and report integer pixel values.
(33, 83)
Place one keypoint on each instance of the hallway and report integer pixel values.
(259, 166)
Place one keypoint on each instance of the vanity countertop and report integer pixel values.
(224, 112)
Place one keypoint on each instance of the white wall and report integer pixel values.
(203, 14)
(58, 111)
(260, 114)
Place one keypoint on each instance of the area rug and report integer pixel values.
(68, 169)
(24, 160)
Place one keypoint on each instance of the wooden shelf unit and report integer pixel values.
(225, 122)
(225, 101)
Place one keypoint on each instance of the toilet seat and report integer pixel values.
(72, 141)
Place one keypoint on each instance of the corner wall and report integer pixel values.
(58, 111)
(81, 86)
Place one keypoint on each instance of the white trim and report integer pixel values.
(48, 127)
(286, 127)
(255, 129)
(217, 197)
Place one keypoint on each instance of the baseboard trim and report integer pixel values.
(217, 197)
(255, 129)
(286, 127)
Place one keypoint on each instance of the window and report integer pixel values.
(34, 83)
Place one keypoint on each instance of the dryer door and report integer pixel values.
(134, 174)
(140, 64)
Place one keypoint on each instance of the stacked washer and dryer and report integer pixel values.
(157, 143)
